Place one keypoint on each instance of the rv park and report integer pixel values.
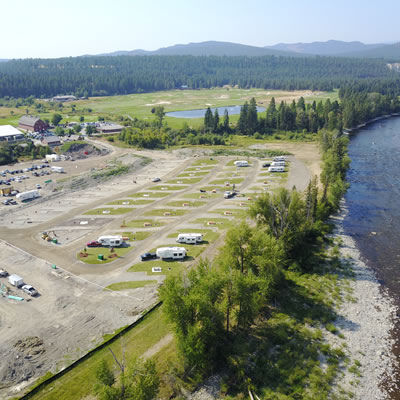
(86, 292)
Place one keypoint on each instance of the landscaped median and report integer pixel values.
(109, 211)
(128, 202)
(150, 194)
(93, 254)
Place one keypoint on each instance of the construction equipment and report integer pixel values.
(47, 237)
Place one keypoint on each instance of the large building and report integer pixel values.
(32, 124)
(10, 134)
(108, 128)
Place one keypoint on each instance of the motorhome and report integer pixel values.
(111, 241)
(280, 158)
(189, 238)
(176, 253)
(241, 163)
(276, 169)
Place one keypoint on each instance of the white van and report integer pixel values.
(176, 253)
(189, 238)
(276, 169)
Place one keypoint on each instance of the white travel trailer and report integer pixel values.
(280, 158)
(60, 170)
(241, 163)
(278, 163)
(176, 253)
(276, 169)
(189, 238)
(31, 194)
(16, 280)
(53, 157)
(111, 241)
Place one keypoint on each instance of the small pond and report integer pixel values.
(232, 110)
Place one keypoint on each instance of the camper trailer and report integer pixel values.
(31, 194)
(278, 163)
(176, 253)
(276, 169)
(280, 158)
(189, 238)
(111, 241)
(60, 170)
(241, 163)
(16, 280)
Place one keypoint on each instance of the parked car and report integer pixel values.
(6, 202)
(93, 243)
(28, 289)
(3, 273)
(38, 186)
(267, 164)
(148, 256)
(156, 179)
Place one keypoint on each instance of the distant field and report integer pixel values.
(140, 105)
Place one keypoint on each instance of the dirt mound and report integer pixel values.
(84, 150)
(30, 346)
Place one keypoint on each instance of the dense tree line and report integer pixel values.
(214, 304)
(10, 153)
(98, 76)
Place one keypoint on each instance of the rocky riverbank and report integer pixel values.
(366, 321)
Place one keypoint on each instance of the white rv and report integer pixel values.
(278, 163)
(176, 253)
(31, 194)
(242, 163)
(52, 157)
(276, 169)
(111, 241)
(60, 170)
(16, 280)
(189, 238)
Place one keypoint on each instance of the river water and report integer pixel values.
(373, 202)
(200, 113)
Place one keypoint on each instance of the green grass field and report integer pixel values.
(93, 252)
(204, 161)
(109, 211)
(79, 382)
(130, 285)
(220, 223)
(138, 235)
(235, 181)
(190, 174)
(197, 195)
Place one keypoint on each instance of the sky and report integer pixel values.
(55, 28)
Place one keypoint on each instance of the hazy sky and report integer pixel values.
(54, 28)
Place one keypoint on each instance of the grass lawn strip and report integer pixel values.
(161, 212)
(130, 202)
(169, 187)
(168, 267)
(130, 285)
(138, 235)
(109, 211)
(150, 194)
(187, 181)
(141, 223)
(220, 223)
(93, 252)
(179, 203)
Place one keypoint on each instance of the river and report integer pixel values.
(373, 201)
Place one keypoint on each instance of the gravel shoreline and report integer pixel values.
(366, 325)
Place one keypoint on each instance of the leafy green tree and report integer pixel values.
(56, 119)
(81, 118)
(160, 114)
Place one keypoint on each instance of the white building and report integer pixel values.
(10, 134)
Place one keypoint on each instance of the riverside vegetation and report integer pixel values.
(258, 313)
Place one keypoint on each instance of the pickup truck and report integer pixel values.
(148, 256)
(28, 289)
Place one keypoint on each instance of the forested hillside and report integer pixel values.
(100, 76)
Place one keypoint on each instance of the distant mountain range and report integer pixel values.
(210, 48)
(329, 48)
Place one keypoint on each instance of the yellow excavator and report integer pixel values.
(46, 236)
